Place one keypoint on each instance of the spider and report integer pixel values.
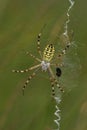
(46, 61)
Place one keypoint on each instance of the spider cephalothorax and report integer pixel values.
(45, 62)
(47, 57)
(45, 65)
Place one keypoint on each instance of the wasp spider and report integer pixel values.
(46, 61)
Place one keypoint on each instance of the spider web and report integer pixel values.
(58, 98)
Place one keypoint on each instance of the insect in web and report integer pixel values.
(46, 61)
(58, 72)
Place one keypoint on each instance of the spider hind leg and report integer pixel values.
(53, 83)
(27, 81)
(52, 87)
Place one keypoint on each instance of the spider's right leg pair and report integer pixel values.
(54, 82)
(67, 41)
(63, 52)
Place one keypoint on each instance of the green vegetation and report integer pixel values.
(20, 23)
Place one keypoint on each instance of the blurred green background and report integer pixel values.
(20, 23)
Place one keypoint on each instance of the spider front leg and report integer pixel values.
(63, 52)
(27, 81)
(34, 57)
(66, 41)
(59, 56)
(38, 44)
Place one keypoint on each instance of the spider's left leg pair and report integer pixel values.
(27, 81)
(54, 82)
(27, 70)
(30, 77)
(34, 57)
(38, 44)
(38, 49)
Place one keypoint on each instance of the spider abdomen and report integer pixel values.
(48, 52)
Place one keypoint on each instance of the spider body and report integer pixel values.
(45, 62)
(48, 53)
(47, 57)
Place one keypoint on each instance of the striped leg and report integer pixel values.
(67, 40)
(57, 65)
(20, 71)
(27, 81)
(37, 59)
(58, 85)
(26, 70)
(38, 44)
(64, 50)
(54, 81)
(52, 86)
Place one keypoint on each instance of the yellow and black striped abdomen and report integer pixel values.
(48, 52)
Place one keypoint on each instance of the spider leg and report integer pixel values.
(54, 81)
(26, 70)
(38, 41)
(67, 41)
(52, 86)
(58, 85)
(37, 59)
(63, 52)
(38, 44)
(57, 65)
(27, 81)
